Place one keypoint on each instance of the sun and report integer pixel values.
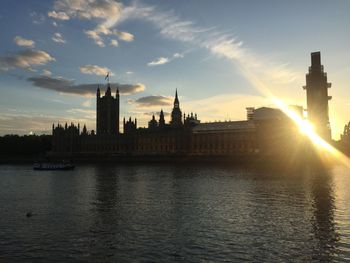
(306, 127)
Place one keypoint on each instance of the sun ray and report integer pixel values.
(321, 145)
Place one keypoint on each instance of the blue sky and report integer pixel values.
(54, 53)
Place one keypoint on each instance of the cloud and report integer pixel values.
(129, 72)
(83, 113)
(178, 55)
(159, 61)
(95, 36)
(106, 14)
(114, 43)
(58, 38)
(124, 36)
(47, 72)
(20, 41)
(25, 59)
(150, 101)
(164, 60)
(58, 15)
(37, 18)
(67, 86)
(95, 70)
(86, 103)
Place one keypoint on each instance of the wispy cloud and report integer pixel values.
(151, 101)
(164, 60)
(58, 15)
(67, 86)
(37, 18)
(20, 41)
(105, 13)
(221, 44)
(25, 59)
(125, 36)
(58, 38)
(83, 113)
(96, 70)
(87, 103)
(159, 61)
(46, 72)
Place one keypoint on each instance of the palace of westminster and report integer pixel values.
(265, 131)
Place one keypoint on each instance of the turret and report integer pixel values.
(161, 119)
(153, 124)
(117, 93)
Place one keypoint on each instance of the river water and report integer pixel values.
(174, 213)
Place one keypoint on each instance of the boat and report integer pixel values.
(53, 166)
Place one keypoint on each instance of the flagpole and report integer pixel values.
(107, 78)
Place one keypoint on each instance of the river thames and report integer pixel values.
(174, 213)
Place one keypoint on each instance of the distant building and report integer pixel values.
(317, 97)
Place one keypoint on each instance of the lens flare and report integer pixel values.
(306, 127)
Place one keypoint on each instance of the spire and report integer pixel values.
(108, 91)
(176, 115)
(161, 119)
(98, 93)
(117, 93)
(176, 101)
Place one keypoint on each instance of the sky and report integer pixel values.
(54, 54)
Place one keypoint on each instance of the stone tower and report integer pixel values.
(107, 112)
(317, 97)
(176, 115)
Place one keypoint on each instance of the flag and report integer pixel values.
(107, 76)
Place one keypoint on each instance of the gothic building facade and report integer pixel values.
(107, 112)
(263, 132)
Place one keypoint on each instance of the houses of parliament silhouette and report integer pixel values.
(264, 131)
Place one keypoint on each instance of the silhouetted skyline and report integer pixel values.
(53, 55)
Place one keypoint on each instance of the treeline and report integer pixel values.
(27, 145)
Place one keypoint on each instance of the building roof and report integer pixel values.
(224, 126)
